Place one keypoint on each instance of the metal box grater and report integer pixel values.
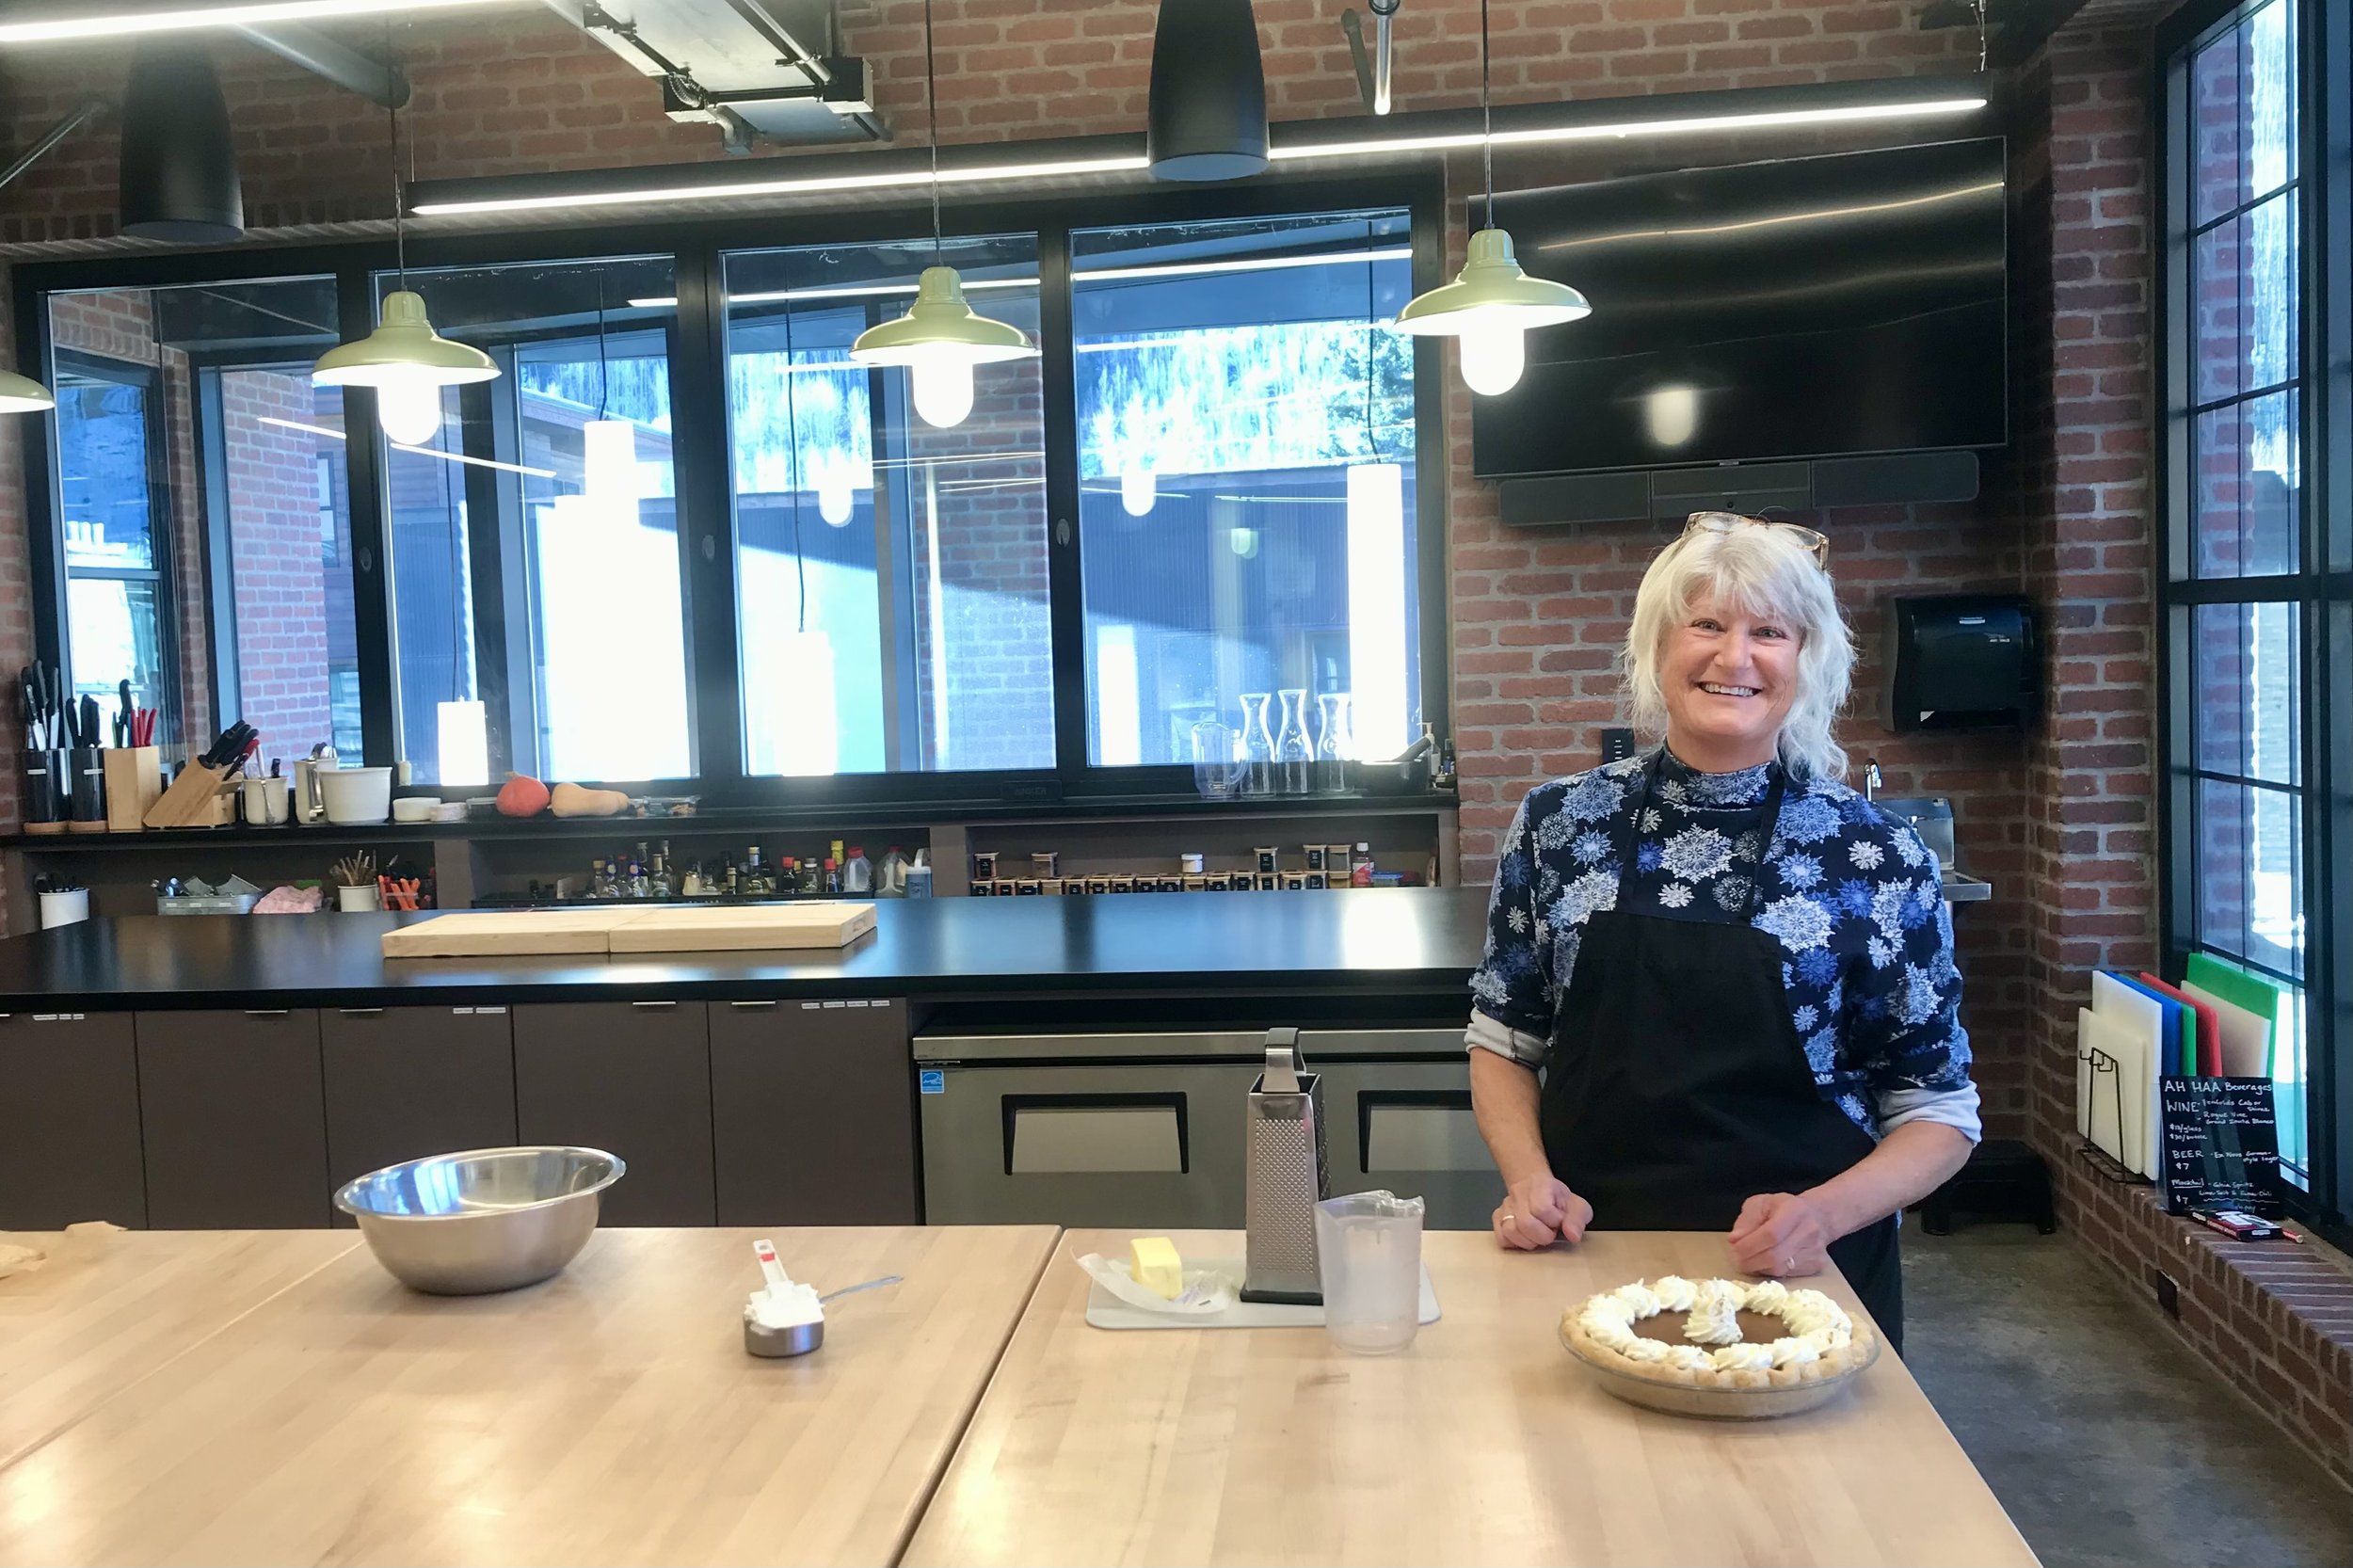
(1288, 1177)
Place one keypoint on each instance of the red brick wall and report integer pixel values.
(516, 88)
(272, 481)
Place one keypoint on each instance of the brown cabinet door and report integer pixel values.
(71, 1150)
(813, 1105)
(403, 1083)
(633, 1079)
(233, 1113)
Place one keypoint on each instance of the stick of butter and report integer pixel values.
(1153, 1261)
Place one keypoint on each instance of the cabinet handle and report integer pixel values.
(653, 1004)
(360, 1012)
(268, 1012)
(751, 1004)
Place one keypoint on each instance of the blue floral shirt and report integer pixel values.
(1851, 896)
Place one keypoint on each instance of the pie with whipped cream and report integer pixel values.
(1816, 1337)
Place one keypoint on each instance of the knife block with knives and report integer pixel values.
(201, 796)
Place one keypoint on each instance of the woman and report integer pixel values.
(1734, 973)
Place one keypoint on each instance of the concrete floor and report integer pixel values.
(2107, 1440)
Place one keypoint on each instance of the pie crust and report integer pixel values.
(1823, 1340)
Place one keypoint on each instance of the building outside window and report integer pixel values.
(890, 574)
(1245, 431)
(539, 617)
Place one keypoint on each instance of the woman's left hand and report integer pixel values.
(1781, 1234)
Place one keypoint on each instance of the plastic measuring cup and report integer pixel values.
(1369, 1252)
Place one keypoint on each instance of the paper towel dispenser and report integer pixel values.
(1963, 660)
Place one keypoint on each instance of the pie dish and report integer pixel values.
(1795, 1350)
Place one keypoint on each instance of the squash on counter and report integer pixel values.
(521, 795)
(570, 800)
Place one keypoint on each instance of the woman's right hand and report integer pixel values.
(1539, 1210)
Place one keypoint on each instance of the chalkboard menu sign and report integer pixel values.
(2221, 1145)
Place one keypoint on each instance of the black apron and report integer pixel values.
(1676, 1087)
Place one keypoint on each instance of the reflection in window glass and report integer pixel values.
(892, 575)
(2244, 283)
(1246, 472)
(2248, 720)
(109, 481)
(195, 403)
(539, 612)
(297, 658)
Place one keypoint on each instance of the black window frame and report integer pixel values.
(2321, 588)
(702, 451)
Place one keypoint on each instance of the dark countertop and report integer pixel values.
(1423, 941)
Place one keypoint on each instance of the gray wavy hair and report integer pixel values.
(1767, 572)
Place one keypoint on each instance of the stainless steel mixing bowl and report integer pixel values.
(483, 1220)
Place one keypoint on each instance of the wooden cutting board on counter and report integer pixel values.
(743, 929)
(505, 933)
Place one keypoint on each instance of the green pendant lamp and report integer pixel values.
(22, 395)
(1491, 305)
(942, 337)
(405, 361)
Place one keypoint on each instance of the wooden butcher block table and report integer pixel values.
(608, 1415)
(1483, 1442)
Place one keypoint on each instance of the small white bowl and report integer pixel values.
(414, 808)
(449, 811)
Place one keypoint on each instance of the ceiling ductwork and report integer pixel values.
(1207, 117)
(179, 173)
(762, 71)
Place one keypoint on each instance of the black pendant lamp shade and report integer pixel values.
(179, 167)
(1207, 115)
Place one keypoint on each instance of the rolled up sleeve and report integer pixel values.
(1904, 1014)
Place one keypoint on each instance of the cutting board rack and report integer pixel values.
(506, 933)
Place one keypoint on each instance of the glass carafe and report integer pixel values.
(1335, 743)
(1257, 744)
(1294, 754)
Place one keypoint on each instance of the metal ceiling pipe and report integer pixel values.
(50, 138)
(1382, 12)
(379, 82)
(179, 173)
(1205, 118)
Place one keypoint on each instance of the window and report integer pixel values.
(539, 608)
(115, 524)
(2255, 627)
(891, 575)
(1245, 434)
(1198, 497)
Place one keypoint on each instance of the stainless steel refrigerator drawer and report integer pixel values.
(1407, 1125)
(1157, 1146)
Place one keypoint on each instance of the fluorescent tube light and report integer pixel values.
(58, 28)
(420, 451)
(785, 185)
(1356, 136)
(1113, 274)
(1623, 130)
(1245, 264)
(844, 291)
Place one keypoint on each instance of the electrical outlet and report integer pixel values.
(2168, 1293)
